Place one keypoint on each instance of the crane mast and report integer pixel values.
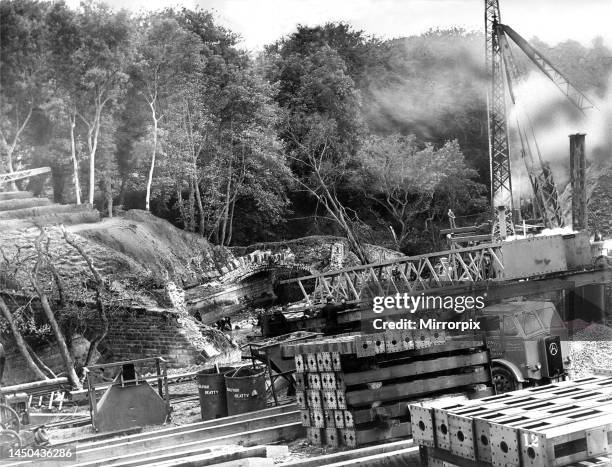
(501, 180)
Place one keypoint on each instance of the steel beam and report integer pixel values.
(20, 174)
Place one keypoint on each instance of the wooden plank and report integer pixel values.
(340, 458)
(99, 436)
(204, 457)
(416, 368)
(472, 238)
(288, 408)
(414, 388)
(401, 458)
(455, 230)
(248, 462)
(267, 435)
(48, 384)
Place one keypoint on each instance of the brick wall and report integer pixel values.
(133, 333)
(148, 333)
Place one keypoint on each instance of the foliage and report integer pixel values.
(410, 181)
(163, 110)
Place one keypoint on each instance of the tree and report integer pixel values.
(168, 59)
(321, 128)
(42, 261)
(408, 180)
(20, 341)
(95, 47)
(24, 72)
(65, 40)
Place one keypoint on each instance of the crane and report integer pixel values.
(540, 175)
(499, 149)
(499, 58)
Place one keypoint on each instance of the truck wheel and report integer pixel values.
(504, 380)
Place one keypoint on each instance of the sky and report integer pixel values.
(261, 22)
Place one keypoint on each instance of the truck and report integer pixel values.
(528, 342)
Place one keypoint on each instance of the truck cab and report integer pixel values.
(527, 341)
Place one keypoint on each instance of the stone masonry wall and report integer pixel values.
(133, 334)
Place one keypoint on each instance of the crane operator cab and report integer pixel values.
(528, 343)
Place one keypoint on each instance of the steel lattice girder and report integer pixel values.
(408, 274)
(13, 176)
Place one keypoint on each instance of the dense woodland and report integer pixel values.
(328, 130)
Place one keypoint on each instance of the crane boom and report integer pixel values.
(540, 175)
(574, 95)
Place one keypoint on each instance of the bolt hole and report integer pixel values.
(422, 338)
(443, 429)
(394, 342)
(531, 452)
(378, 343)
(503, 446)
(422, 426)
(436, 335)
(460, 436)
(484, 440)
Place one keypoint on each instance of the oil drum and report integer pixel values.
(246, 389)
(211, 387)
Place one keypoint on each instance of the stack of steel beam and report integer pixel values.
(355, 389)
(555, 425)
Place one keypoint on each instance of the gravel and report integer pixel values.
(591, 348)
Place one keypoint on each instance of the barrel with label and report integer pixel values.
(246, 389)
(211, 387)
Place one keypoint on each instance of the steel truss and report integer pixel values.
(406, 275)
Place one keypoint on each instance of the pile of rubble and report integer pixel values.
(591, 348)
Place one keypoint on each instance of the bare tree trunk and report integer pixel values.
(108, 193)
(200, 206)
(181, 206)
(59, 336)
(44, 301)
(93, 133)
(227, 205)
(191, 208)
(39, 362)
(337, 211)
(75, 162)
(21, 343)
(10, 148)
(152, 168)
(100, 305)
(122, 192)
(231, 222)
